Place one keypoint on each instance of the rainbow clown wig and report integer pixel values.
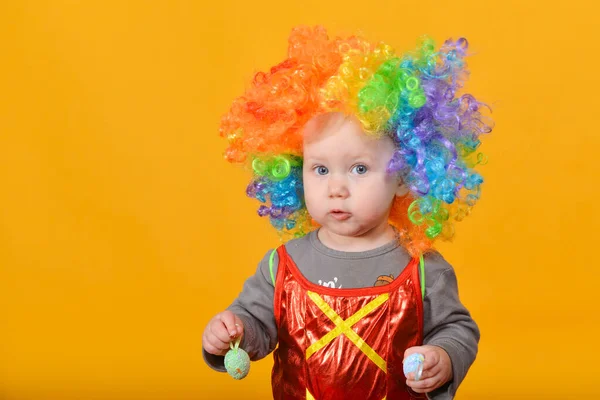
(413, 98)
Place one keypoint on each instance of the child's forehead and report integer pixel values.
(340, 134)
(329, 125)
(324, 124)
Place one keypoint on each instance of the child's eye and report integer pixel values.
(321, 170)
(360, 169)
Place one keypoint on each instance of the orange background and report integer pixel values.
(122, 230)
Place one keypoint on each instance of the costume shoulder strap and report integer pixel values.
(271, 265)
(421, 275)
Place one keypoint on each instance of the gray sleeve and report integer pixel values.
(254, 306)
(448, 324)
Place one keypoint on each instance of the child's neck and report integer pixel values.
(370, 240)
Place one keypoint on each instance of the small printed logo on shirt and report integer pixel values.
(330, 284)
(384, 280)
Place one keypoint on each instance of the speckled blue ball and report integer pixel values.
(237, 363)
(412, 363)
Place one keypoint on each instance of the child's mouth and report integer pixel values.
(340, 215)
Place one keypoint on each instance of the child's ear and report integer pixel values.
(402, 189)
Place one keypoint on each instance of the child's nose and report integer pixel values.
(338, 187)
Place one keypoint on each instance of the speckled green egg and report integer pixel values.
(237, 363)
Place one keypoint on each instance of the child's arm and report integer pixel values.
(254, 308)
(448, 327)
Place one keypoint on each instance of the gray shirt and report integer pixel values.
(446, 322)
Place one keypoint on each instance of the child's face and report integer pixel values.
(346, 187)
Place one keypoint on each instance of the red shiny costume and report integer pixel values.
(344, 343)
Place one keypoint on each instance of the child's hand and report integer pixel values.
(221, 329)
(437, 369)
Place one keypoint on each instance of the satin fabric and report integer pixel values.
(344, 343)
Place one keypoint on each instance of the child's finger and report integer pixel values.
(212, 349)
(432, 359)
(239, 325)
(218, 329)
(422, 386)
(218, 342)
(212, 344)
(431, 372)
(229, 320)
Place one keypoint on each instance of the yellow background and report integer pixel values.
(122, 230)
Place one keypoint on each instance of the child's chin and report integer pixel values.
(343, 228)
